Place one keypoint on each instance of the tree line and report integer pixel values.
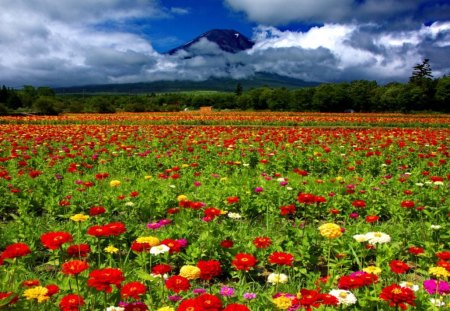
(421, 93)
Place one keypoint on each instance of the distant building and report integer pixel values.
(206, 109)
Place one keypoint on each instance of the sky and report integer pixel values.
(81, 42)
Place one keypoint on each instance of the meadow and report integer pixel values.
(225, 211)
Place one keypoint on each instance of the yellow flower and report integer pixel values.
(166, 309)
(153, 241)
(38, 292)
(438, 272)
(79, 217)
(182, 197)
(184, 165)
(111, 249)
(190, 272)
(282, 302)
(372, 270)
(330, 230)
(148, 177)
(115, 183)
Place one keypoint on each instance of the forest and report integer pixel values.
(421, 93)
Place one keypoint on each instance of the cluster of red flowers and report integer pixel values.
(111, 229)
(191, 204)
(308, 198)
(103, 279)
(444, 260)
(202, 302)
(399, 267)
(397, 295)
(357, 280)
(281, 259)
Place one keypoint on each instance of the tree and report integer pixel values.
(443, 94)
(239, 89)
(421, 72)
(46, 105)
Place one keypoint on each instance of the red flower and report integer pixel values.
(209, 302)
(359, 203)
(133, 290)
(190, 304)
(372, 218)
(96, 210)
(209, 269)
(52, 289)
(227, 243)
(232, 200)
(287, 210)
(398, 266)
(81, 250)
(54, 240)
(306, 198)
(309, 298)
(31, 283)
(101, 176)
(243, 261)
(161, 269)
(444, 255)
(212, 212)
(71, 302)
(407, 204)
(74, 267)
(398, 296)
(177, 283)
(262, 242)
(15, 250)
(444, 264)
(236, 307)
(97, 231)
(115, 228)
(8, 296)
(102, 279)
(281, 258)
(174, 245)
(135, 306)
(140, 247)
(414, 250)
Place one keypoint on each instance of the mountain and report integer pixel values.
(260, 79)
(228, 40)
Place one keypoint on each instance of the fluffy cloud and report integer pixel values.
(343, 11)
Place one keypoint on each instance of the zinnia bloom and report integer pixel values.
(133, 290)
(281, 258)
(39, 293)
(399, 296)
(344, 297)
(74, 267)
(102, 279)
(243, 261)
(81, 250)
(377, 238)
(209, 269)
(209, 302)
(71, 302)
(277, 278)
(262, 242)
(54, 240)
(436, 287)
(79, 217)
(190, 272)
(330, 230)
(15, 250)
(399, 267)
(177, 283)
(236, 307)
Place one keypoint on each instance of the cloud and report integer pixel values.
(281, 12)
(66, 43)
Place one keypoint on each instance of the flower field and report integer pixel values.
(225, 211)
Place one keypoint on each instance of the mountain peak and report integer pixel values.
(228, 40)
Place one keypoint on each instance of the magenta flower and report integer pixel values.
(259, 189)
(433, 287)
(227, 291)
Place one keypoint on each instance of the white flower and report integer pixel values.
(172, 186)
(410, 285)
(344, 297)
(419, 184)
(438, 183)
(435, 227)
(289, 188)
(437, 302)
(129, 204)
(360, 237)
(377, 238)
(277, 278)
(112, 308)
(234, 215)
(159, 249)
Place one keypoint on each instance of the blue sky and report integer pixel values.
(76, 42)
